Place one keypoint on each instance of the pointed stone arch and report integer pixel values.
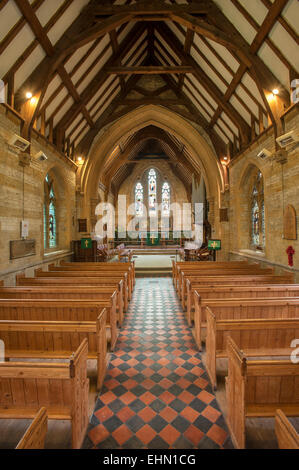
(202, 154)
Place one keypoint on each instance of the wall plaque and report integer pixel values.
(290, 223)
(22, 248)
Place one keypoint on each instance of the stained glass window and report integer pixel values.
(165, 200)
(258, 213)
(152, 192)
(139, 200)
(50, 231)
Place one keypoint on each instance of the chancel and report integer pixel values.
(149, 174)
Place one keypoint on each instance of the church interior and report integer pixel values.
(149, 201)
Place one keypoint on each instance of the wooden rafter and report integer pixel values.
(149, 70)
(215, 93)
(99, 79)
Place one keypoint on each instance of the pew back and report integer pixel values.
(60, 387)
(243, 309)
(258, 388)
(192, 283)
(227, 292)
(56, 339)
(256, 337)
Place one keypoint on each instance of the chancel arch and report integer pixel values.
(201, 153)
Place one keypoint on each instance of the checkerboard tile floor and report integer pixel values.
(156, 394)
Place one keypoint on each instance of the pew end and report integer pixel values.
(35, 436)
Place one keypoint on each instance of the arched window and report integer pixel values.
(258, 212)
(139, 200)
(165, 200)
(50, 230)
(152, 192)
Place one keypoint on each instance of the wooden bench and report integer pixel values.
(25, 339)
(184, 272)
(75, 283)
(59, 310)
(203, 264)
(61, 292)
(35, 436)
(192, 277)
(243, 309)
(119, 270)
(61, 388)
(286, 434)
(256, 337)
(100, 275)
(214, 282)
(231, 292)
(103, 265)
(257, 388)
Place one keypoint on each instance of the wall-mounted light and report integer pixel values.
(33, 101)
(80, 160)
(275, 91)
(29, 95)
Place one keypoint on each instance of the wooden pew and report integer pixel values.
(35, 436)
(257, 388)
(256, 337)
(61, 388)
(25, 339)
(204, 264)
(101, 276)
(214, 282)
(97, 269)
(103, 265)
(239, 292)
(59, 310)
(194, 277)
(243, 309)
(75, 283)
(286, 434)
(184, 271)
(61, 292)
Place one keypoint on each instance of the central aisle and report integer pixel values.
(156, 394)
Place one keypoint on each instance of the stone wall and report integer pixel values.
(281, 187)
(22, 197)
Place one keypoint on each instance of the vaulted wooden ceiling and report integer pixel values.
(87, 63)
